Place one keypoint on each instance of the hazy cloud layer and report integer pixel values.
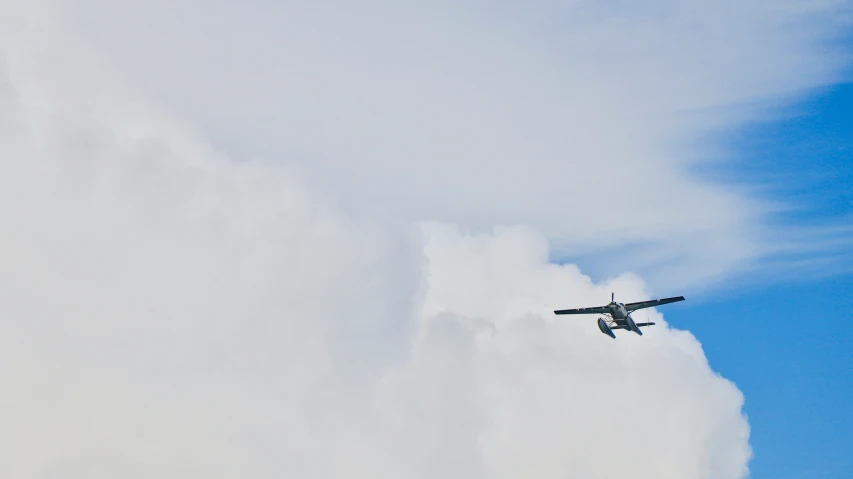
(578, 118)
(167, 310)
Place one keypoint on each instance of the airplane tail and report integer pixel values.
(625, 326)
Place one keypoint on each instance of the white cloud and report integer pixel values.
(168, 310)
(578, 118)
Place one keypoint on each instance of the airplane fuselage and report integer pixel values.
(617, 311)
(620, 315)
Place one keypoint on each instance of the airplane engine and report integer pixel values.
(602, 325)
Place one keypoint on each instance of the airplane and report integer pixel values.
(620, 314)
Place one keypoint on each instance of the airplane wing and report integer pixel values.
(652, 303)
(598, 310)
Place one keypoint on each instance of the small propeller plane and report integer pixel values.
(618, 315)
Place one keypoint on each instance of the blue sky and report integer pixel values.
(785, 342)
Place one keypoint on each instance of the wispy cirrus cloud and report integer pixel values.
(582, 119)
